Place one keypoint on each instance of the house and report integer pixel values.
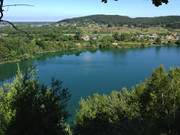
(115, 44)
(153, 36)
(178, 37)
(93, 37)
(3, 35)
(170, 37)
(148, 36)
(85, 38)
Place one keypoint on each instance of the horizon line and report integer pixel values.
(51, 21)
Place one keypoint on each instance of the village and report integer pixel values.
(152, 38)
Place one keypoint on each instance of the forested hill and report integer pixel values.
(116, 20)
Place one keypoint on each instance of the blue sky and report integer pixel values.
(54, 10)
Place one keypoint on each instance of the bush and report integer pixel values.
(177, 42)
(37, 109)
(150, 108)
(104, 115)
(2, 123)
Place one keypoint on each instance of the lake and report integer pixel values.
(96, 71)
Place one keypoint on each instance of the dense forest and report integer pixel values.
(116, 20)
(151, 107)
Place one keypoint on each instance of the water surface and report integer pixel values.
(97, 71)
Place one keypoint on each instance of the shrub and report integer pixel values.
(36, 109)
(151, 107)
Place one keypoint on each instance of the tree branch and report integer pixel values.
(8, 22)
(14, 5)
(1, 9)
(157, 3)
(16, 28)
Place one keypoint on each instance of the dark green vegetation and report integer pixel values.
(116, 20)
(17, 45)
(29, 108)
(152, 107)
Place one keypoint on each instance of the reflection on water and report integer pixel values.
(8, 71)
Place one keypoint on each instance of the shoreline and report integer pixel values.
(44, 52)
(86, 48)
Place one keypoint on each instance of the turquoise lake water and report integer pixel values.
(96, 71)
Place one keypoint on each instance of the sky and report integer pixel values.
(55, 10)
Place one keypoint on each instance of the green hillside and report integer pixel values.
(116, 20)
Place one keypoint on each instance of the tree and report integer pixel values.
(77, 35)
(2, 118)
(2, 13)
(152, 107)
(38, 109)
(1, 9)
(116, 36)
(114, 114)
(160, 102)
(155, 2)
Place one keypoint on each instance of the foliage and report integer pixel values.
(117, 37)
(77, 35)
(158, 41)
(102, 115)
(155, 2)
(150, 108)
(6, 112)
(178, 42)
(30, 108)
(116, 20)
(2, 119)
(16, 46)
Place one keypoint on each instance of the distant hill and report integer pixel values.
(116, 20)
